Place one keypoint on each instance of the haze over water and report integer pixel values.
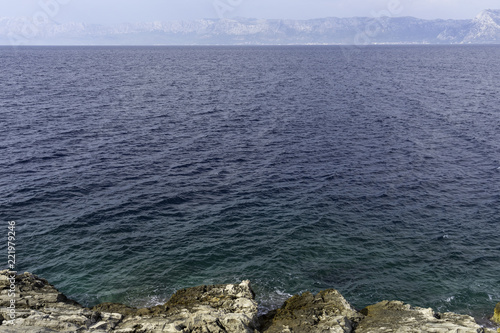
(136, 171)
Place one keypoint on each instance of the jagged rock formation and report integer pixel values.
(484, 28)
(395, 316)
(41, 308)
(328, 311)
(219, 308)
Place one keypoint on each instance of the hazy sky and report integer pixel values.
(117, 11)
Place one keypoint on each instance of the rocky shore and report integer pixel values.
(40, 308)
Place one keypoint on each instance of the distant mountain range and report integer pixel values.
(484, 28)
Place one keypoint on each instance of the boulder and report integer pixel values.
(216, 308)
(396, 316)
(327, 311)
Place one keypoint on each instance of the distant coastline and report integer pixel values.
(482, 29)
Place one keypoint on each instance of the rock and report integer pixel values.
(225, 308)
(31, 291)
(41, 308)
(124, 310)
(395, 316)
(496, 315)
(327, 311)
(218, 308)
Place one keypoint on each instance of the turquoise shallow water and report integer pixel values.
(136, 171)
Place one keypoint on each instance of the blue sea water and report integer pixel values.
(136, 171)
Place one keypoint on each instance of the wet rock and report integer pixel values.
(327, 311)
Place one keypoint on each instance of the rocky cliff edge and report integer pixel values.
(40, 308)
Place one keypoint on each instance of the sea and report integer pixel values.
(132, 172)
